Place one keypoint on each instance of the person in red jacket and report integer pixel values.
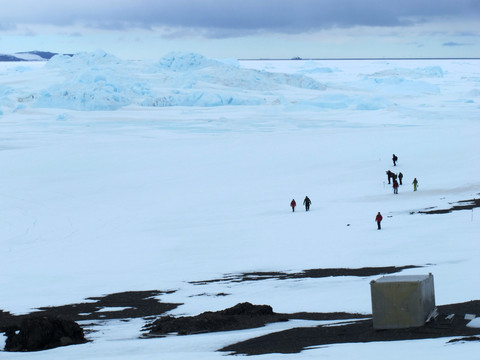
(379, 219)
(293, 204)
(395, 186)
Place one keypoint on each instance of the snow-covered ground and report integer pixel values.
(120, 176)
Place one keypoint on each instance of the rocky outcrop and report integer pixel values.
(41, 333)
(240, 316)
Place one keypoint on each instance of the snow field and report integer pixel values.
(141, 198)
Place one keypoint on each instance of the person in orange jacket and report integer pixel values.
(293, 204)
(379, 219)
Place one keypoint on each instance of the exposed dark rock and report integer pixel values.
(9, 58)
(240, 316)
(468, 338)
(460, 205)
(134, 304)
(41, 333)
(46, 55)
(33, 332)
(7, 319)
(309, 273)
(450, 322)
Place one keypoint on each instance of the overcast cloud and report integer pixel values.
(245, 28)
(221, 18)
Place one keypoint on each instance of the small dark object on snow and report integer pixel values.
(42, 333)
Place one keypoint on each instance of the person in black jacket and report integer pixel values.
(389, 175)
(307, 203)
(394, 159)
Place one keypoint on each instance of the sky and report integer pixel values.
(148, 29)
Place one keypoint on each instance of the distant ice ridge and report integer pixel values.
(428, 71)
(230, 74)
(99, 81)
(405, 81)
(400, 86)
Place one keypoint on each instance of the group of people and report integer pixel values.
(306, 202)
(392, 176)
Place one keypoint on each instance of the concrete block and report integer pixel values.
(402, 301)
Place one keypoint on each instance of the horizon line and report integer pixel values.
(362, 58)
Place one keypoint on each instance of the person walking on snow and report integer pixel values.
(307, 203)
(379, 219)
(293, 204)
(415, 184)
(400, 177)
(395, 186)
(394, 158)
(389, 176)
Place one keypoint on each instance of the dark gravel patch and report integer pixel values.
(459, 205)
(349, 328)
(310, 273)
(136, 304)
(465, 339)
(241, 316)
(298, 339)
